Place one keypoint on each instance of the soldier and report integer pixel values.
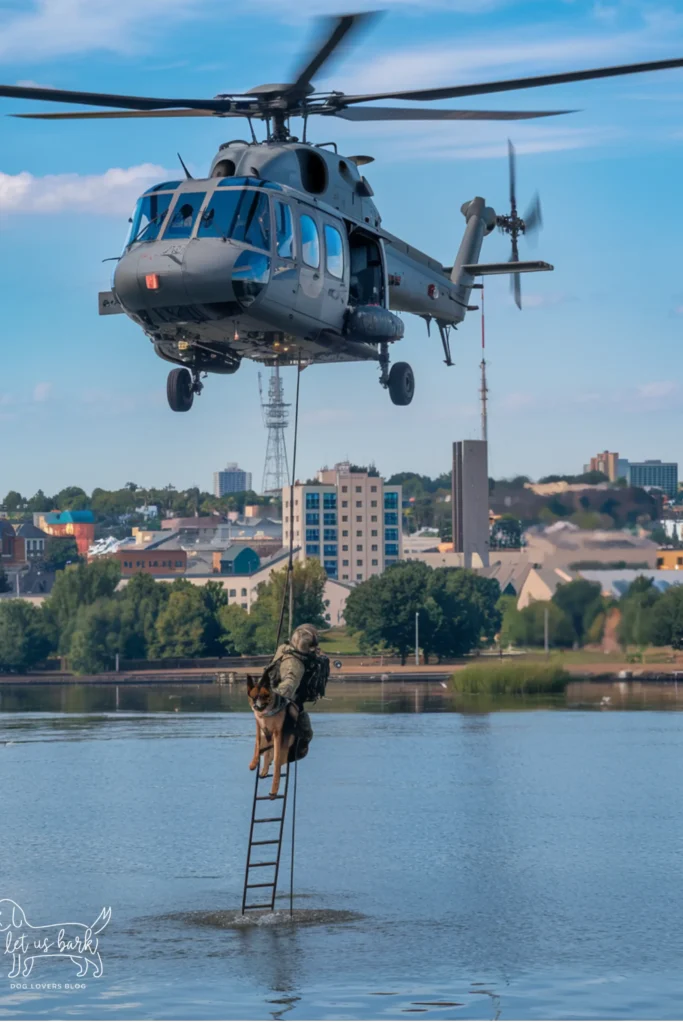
(291, 670)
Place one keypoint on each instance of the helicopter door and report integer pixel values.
(309, 300)
(366, 270)
(284, 281)
(336, 290)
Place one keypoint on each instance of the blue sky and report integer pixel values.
(593, 361)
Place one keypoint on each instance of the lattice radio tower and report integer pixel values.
(275, 420)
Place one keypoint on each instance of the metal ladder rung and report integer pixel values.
(263, 864)
(260, 821)
(278, 796)
(258, 906)
(260, 885)
(265, 842)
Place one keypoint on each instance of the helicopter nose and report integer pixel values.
(205, 278)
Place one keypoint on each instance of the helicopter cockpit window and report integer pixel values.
(240, 214)
(284, 230)
(184, 215)
(310, 242)
(148, 217)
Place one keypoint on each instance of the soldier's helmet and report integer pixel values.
(304, 638)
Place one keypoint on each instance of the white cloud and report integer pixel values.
(53, 27)
(41, 391)
(657, 389)
(110, 193)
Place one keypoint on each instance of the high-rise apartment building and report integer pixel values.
(231, 480)
(654, 473)
(349, 520)
(470, 499)
(607, 463)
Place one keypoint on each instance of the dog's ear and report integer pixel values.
(250, 682)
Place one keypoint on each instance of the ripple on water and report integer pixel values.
(227, 919)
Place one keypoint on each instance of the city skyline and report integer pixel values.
(582, 368)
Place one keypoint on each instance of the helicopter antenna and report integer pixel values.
(184, 167)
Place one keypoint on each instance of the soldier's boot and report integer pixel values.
(304, 728)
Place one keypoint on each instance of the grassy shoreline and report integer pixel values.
(513, 678)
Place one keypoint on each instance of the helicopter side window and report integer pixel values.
(334, 252)
(310, 241)
(184, 214)
(148, 218)
(284, 229)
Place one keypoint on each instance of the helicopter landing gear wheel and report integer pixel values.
(180, 390)
(401, 384)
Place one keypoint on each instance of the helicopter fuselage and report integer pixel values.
(235, 266)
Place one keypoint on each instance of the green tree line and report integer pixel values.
(89, 619)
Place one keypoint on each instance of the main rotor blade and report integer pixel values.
(513, 177)
(99, 114)
(427, 114)
(337, 30)
(509, 84)
(101, 99)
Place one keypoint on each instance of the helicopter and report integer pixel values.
(279, 255)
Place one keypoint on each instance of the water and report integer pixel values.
(517, 864)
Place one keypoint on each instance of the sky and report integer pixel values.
(591, 362)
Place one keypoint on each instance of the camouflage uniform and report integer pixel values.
(291, 670)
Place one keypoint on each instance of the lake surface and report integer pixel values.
(512, 864)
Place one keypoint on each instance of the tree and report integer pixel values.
(637, 611)
(467, 610)
(39, 503)
(24, 639)
(141, 601)
(5, 585)
(97, 637)
(666, 619)
(506, 532)
(309, 580)
(382, 609)
(13, 501)
(215, 597)
(181, 624)
(239, 631)
(72, 499)
(581, 601)
(75, 586)
(59, 552)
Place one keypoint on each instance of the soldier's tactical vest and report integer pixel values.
(316, 673)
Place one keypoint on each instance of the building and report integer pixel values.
(34, 541)
(79, 525)
(566, 545)
(607, 463)
(670, 558)
(349, 520)
(12, 547)
(654, 473)
(470, 500)
(150, 562)
(237, 560)
(622, 469)
(231, 480)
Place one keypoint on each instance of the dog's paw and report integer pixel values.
(272, 796)
(263, 774)
(253, 765)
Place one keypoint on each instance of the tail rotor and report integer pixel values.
(513, 225)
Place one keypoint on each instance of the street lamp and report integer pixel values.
(417, 638)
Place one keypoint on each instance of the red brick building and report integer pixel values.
(150, 561)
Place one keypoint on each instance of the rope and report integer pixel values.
(289, 582)
(291, 868)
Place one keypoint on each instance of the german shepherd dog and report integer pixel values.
(275, 729)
